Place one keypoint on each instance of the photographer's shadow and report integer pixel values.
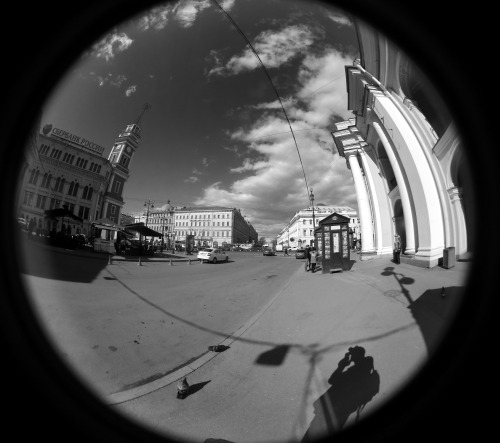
(354, 384)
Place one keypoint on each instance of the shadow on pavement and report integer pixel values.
(430, 310)
(273, 357)
(353, 384)
(62, 264)
(193, 389)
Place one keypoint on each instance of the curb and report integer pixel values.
(147, 388)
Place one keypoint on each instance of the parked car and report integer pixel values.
(213, 255)
(268, 251)
(301, 253)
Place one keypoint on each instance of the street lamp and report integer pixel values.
(311, 200)
(148, 204)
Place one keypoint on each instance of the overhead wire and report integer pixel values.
(272, 85)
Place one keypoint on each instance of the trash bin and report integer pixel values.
(448, 257)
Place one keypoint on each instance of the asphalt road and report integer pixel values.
(121, 325)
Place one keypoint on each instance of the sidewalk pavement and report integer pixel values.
(274, 379)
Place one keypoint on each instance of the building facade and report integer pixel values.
(212, 226)
(62, 169)
(65, 170)
(406, 158)
(299, 231)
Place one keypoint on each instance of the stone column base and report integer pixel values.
(368, 255)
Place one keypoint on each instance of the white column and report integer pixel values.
(403, 192)
(460, 234)
(377, 228)
(363, 203)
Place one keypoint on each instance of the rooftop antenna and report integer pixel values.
(144, 109)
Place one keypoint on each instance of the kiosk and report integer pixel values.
(331, 239)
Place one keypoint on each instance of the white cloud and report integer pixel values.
(272, 186)
(130, 90)
(111, 45)
(339, 19)
(186, 11)
(192, 179)
(273, 47)
(157, 18)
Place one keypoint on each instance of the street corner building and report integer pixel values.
(64, 170)
(406, 157)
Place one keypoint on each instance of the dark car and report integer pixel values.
(301, 253)
(268, 252)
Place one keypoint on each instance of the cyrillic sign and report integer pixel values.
(84, 143)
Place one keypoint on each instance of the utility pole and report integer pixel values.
(311, 201)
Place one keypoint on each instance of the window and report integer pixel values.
(59, 184)
(113, 209)
(73, 188)
(83, 212)
(46, 180)
(124, 161)
(28, 198)
(117, 187)
(87, 193)
(34, 176)
(54, 203)
(44, 149)
(40, 201)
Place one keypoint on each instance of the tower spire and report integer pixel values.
(144, 109)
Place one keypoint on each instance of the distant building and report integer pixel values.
(299, 231)
(212, 226)
(160, 220)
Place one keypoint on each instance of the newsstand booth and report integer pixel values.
(331, 239)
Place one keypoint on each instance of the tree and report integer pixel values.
(262, 241)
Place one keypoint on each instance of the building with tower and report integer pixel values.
(65, 170)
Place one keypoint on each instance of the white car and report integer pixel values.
(212, 254)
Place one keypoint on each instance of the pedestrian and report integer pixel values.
(31, 227)
(286, 251)
(312, 260)
(307, 254)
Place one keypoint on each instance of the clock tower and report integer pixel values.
(124, 148)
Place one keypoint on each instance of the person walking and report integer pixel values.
(313, 259)
(286, 251)
(308, 257)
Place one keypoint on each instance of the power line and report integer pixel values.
(272, 85)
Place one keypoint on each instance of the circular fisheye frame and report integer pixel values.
(240, 221)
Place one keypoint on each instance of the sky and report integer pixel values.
(216, 133)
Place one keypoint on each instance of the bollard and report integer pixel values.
(140, 264)
(170, 262)
(109, 259)
(189, 261)
(443, 292)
